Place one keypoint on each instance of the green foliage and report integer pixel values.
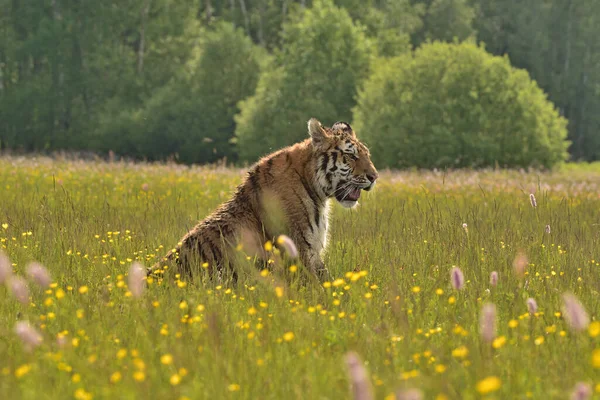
(82, 76)
(454, 105)
(192, 115)
(557, 42)
(316, 73)
(449, 19)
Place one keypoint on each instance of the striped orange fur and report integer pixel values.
(286, 192)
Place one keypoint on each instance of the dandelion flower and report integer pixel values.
(115, 377)
(139, 376)
(175, 379)
(5, 268)
(488, 385)
(19, 289)
(359, 378)
(574, 313)
(494, 278)
(499, 342)
(39, 274)
(582, 391)
(487, 322)
(30, 337)
(457, 278)
(531, 306)
(288, 336)
(460, 352)
(596, 358)
(594, 329)
(135, 279)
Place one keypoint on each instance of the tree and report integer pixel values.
(192, 115)
(323, 60)
(556, 41)
(455, 105)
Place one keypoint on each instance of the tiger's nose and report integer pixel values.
(372, 177)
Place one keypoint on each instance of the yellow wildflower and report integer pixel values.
(594, 329)
(115, 377)
(499, 342)
(488, 385)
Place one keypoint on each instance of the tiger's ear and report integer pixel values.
(343, 127)
(317, 133)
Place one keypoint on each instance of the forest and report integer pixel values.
(431, 83)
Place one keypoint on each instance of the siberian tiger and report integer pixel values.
(295, 183)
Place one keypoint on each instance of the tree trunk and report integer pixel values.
(245, 15)
(144, 17)
(261, 18)
(208, 11)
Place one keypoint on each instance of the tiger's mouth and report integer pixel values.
(350, 194)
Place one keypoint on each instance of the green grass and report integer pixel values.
(87, 222)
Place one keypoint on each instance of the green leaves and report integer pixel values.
(323, 59)
(454, 105)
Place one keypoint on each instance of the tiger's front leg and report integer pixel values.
(312, 260)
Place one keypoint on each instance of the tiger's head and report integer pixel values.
(343, 163)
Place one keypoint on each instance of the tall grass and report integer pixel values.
(391, 304)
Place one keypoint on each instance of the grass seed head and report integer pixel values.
(574, 313)
(28, 335)
(5, 268)
(39, 274)
(409, 394)
(289, 246)
(457, 278)
(135, 282)
(520, 264)
(582, 391)
(494, 278)
(487, 322)
(532, 305)
(532, 200)
(361, 386)
(19, 289)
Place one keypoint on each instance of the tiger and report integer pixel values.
(297, 183)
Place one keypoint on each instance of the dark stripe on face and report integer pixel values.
(334, 168)
(325, 161)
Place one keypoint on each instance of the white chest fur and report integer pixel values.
(319, 235)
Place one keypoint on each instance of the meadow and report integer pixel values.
(392, 300)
